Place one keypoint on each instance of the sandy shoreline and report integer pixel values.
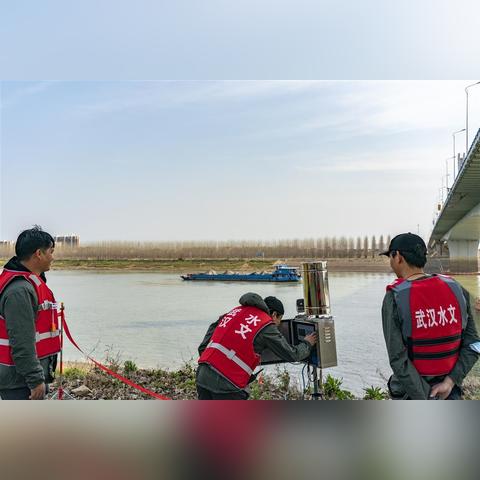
(373, 265)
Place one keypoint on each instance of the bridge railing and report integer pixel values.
(476, 140)
(473, 145)
(467, 160)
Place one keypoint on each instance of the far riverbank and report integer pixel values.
(369, 265)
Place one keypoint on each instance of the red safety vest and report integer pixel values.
(433, 313)
(46, 323)
(230, 351)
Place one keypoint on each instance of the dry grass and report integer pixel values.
(326, 247)
(177, 385)
(345, 254)
(471, 388)
(180, 384)
(219, 265)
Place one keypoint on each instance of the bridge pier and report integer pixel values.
(463, 256)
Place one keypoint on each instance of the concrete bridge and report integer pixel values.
(458, 224)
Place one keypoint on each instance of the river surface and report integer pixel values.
(158, 320)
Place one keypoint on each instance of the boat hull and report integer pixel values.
(281, 274)
(239, 278)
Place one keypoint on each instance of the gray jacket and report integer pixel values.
(406, 381)
(268, 338)
(18, 306)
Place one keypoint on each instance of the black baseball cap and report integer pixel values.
(274, 305)
(406, 242)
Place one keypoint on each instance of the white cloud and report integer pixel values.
(163, 94)
(26, 89)
(406, 160)
(376, 108)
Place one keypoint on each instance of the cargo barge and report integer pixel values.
(282, 273)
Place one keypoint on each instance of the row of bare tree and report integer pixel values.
(326, 247)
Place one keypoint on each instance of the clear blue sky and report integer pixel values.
(247, 39)
(227, 159)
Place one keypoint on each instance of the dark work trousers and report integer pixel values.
(15, 394)
(204, 394)
(18, 393)
(455, 394)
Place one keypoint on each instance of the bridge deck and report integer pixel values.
(463, 196)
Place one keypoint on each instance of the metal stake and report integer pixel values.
(60, 394)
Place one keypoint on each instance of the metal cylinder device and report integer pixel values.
(313, 316)
(315, 288)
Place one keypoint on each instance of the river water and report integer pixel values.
(158, 320)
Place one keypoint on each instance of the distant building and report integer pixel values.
(67, 240)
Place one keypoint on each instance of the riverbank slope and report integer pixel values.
(374, 265)
(86, 382)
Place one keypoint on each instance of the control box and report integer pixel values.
(268, 357)
(325, 353)
(294, 330)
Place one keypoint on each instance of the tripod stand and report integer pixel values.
(317, 383)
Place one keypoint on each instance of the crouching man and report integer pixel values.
(232, 346)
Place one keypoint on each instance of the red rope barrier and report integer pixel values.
(106, 369)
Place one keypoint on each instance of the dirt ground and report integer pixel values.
(376, 265)
(83, 381)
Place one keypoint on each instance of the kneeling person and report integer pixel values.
(231, 349)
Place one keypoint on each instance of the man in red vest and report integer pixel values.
(231, 349)
(429, 330)
(29, 336)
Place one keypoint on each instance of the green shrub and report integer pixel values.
(129, 366)
(283, 378)
(333, 391)
(259, 392)
(375, 393)
(74, 373)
